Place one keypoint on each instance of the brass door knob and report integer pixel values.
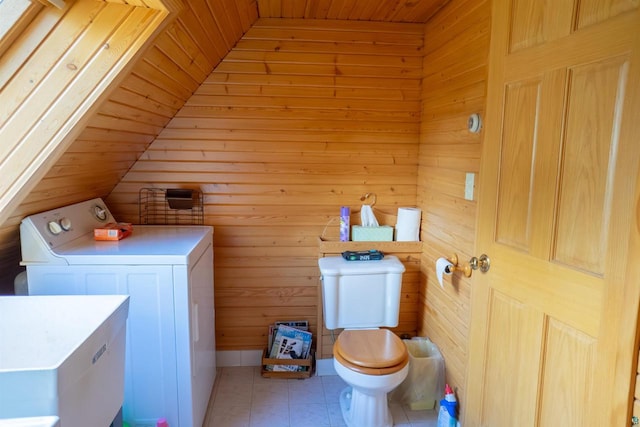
(483, 263)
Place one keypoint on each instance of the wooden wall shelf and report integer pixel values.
(336, 246)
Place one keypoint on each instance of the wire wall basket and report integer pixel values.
(170, 206)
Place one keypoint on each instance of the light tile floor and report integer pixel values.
(243, 398)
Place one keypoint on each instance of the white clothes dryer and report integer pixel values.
(167, 271)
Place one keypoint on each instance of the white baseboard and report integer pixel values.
(238, 358)
(254, 358)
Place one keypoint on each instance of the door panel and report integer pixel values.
(550, 341)
(534, 22)
(594, 110)
(515, 333)
(517, 164)
(563, 396)
(595, 11)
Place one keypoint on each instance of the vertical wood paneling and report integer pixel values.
(456, 45)
(278, 137)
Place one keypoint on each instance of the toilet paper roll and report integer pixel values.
(443, 266)
(407, 234)
(408, 225)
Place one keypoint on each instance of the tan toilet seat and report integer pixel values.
(371, 351)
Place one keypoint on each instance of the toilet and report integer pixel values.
(362, 297)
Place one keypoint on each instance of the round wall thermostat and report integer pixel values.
(475, 123)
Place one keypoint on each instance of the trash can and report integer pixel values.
(425, 381)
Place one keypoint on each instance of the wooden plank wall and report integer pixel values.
(456, 54)
(135, 113)
(300, 118)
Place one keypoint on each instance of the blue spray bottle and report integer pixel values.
(447, 417)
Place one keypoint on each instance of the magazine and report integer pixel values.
(303, 325)
(289, 343)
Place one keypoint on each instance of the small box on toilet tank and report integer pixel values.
(382, 233)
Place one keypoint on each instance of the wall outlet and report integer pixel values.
(469, 184)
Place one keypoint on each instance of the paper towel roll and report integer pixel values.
(443, 266)
(408, 225)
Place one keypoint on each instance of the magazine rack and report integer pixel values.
(308, 363)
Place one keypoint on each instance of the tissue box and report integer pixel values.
(382, 233)
(113, 231)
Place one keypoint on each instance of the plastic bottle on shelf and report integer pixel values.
(447, 417)
(345, 213)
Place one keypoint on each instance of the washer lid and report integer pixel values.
(147, 244)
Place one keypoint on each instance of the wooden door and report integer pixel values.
(553, 321)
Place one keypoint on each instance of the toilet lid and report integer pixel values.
(371, 349)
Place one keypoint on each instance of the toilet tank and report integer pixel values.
(361, 294)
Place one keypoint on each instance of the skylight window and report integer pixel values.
(15, 15)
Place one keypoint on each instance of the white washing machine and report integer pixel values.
(168, 273)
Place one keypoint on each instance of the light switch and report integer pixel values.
(469, 183)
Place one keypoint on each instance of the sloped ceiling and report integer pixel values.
(165, 77)
(121, 126)
(128, 117)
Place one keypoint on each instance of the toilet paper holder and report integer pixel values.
(482, 263)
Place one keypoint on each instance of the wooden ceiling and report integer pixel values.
(170, 70)
(416, 11)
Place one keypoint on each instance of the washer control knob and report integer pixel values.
(65, 223)
(100, 212)
(54, 227)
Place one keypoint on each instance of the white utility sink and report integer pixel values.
(62, 356)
